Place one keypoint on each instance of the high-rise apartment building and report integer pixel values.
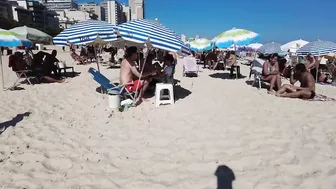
(5, 9)
(59, 5)
(126, 13)
(115, 12)
(137, 9)
(92, 7)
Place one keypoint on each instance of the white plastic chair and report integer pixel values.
(190, 66)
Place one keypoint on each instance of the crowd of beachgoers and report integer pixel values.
(221, 132)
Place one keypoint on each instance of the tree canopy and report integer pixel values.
(8, 24)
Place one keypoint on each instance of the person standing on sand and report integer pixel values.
(305, 91)
(130, 74)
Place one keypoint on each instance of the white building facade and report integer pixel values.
(137, 9)
(94, 8)
(59, 5)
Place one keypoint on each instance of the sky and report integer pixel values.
(275, 21)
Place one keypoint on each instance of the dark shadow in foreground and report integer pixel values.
(18, 118)
(225, 177)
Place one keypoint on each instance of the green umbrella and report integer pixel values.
(33, 34)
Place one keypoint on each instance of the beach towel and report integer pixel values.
(320, 97)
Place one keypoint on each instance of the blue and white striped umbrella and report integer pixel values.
(270, 48)
(150, 31)
(87, 32)
(317, 48)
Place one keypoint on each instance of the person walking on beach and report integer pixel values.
(305, 91)
(130, 74)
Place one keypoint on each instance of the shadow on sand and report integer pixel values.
(18, 118)
(179, 92)
(225, 177)
(263, 84)
(225, 75)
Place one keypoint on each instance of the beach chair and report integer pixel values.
(110, 87)
(61, 66)
(190, 66)
(256, 69)
(21, 70)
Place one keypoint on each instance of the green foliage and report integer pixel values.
(8, 24)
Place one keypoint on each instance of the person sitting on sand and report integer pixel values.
(130, 74)
(305, 91)
(49, 63)
(271, 73)
(210, 59)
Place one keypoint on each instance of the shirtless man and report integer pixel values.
(130, 74)
(305, 91)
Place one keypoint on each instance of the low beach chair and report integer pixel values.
(110, 87)
(190, 66)
(256, 70)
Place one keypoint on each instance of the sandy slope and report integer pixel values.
(72, 140)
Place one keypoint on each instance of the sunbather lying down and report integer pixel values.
(78, 58)
(305, 91)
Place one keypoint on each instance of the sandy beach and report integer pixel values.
(65, 136)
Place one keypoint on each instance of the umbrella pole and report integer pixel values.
(98, 61)
(2, 73)
(95, 49)
(142, 69)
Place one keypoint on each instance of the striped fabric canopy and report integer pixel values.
(317, 48)
(200, 45)
(270, 48)
(235, 36)
(159, 36)
(87, 32)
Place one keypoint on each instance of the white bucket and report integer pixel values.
(114, 101)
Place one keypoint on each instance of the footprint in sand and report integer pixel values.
(57, 164)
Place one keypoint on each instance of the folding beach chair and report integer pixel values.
(256, 69)
(190, 66)
(110, 87)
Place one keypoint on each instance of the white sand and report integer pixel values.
(72, 140)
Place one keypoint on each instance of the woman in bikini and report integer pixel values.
(271, 73)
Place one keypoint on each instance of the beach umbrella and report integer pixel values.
(235, 36)
(293, 46)
(33, 34)
(254, 46)
(317, 48)
(11, 39)
(270, 48)
(91, 32)
(201, 45)
(330, 56)
(150, 32)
